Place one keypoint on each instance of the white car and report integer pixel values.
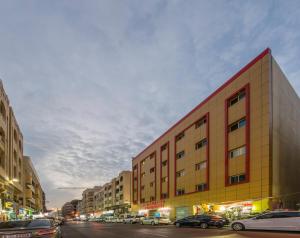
(276, 220)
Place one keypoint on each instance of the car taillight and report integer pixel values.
(45, 232)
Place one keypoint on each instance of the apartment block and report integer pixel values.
(87, 203)
(235, 153)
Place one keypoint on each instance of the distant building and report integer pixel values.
(87, 204)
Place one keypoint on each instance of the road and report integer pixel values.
(95, 230)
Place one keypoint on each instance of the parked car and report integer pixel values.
(149, 221)
(109, 219)
(164, 221)
(100, 219)
(277, 220)
(203, 221)
(30, 228)
(132, 219)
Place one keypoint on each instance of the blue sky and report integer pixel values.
(93, 82)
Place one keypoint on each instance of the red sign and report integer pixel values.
(154, 205)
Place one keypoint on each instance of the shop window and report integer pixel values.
(164, 179)
(200, 123)
(237, 178)
(180, 136)
(180, 155)
(236, 125)
(180, 173)
(164, 195)
(238, 97)
(201, 144)
(164, 163)
(164, 147)
(179, 192)
(152, 198)
(201, 165)
(237, 152)
(152, 170)
(201, 187)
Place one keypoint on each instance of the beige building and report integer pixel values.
(115, 196)
(237, 152)
(33, 199)
(87, 203)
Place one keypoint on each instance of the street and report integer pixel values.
(94, 230)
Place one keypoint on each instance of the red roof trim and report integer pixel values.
(245, 68)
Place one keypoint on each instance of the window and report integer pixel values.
(2, 135)
(135, 179)
(180, 136)
(143, 174)
(179, 192)
(152, 170)
(143, 162)
(237, 178)
(121, 178)
(164, 163)
(180, 155)
(237, 152)
(164, 179)
(236, 125)
(237, 98)
(135, 167)
(180, 173)
(143, 187)
(142, 200)
(201, 165)
(201, 187)
(152, 156)
(151, 184)
(164, 195)
(200, 122)
(2, 110)
(152, 198)
(200, 144)
(164, 147)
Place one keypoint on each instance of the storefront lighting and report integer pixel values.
(222, 208)
(162, 209)
(143, 211)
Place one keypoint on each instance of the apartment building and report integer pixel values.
(33, 199)
(87, 204)
(235, 153)
(115, 196)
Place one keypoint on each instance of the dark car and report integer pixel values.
(42, 228)
(203, 221)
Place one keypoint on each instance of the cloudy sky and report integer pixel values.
(93, 82)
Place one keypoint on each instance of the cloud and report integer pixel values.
(94, 82)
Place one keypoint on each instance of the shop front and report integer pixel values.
(155, 209)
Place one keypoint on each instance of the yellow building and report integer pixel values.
(33, 199)
(235, 153)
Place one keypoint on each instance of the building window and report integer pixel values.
(152, 198)
(180, 173)
(164, 163)
(201, 144)
(201, 187)
(237, 152)
(239, 96)
(179, 136)
(164, 179)
(164, 147)
(121, 178)
(180, 155)
(201, 165)
(236, 125)
(179, 192)
(201, 122)
(142, 200)
(135, 167)
(152, 170)
(152, 156)
(164, 195)
(135, 178)
(151, 184)
(237, 178)
(2, 135)
(143, 187)
(143, 162)
(143, 174)
(2, 110)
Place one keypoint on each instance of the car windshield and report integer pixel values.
(25, 224)
(39, 223)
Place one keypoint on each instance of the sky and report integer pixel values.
(92, 83)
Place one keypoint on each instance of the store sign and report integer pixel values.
(9, 205)
(154, 205)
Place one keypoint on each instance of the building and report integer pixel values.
(68, 210)
(44, 201)
(235, 153)
(11, 163)
(33, 199)
(87, 204)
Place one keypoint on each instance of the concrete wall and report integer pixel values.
(286, 140)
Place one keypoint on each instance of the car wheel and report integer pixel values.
(204, 225)
(177, 225)
(238, 226)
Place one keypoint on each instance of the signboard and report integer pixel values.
(154, 205)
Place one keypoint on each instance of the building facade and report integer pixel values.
(235, 153)
(87, 204)
(114, 197)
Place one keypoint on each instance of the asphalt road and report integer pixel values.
(95, 230)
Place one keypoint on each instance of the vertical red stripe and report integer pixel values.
(207, 150)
